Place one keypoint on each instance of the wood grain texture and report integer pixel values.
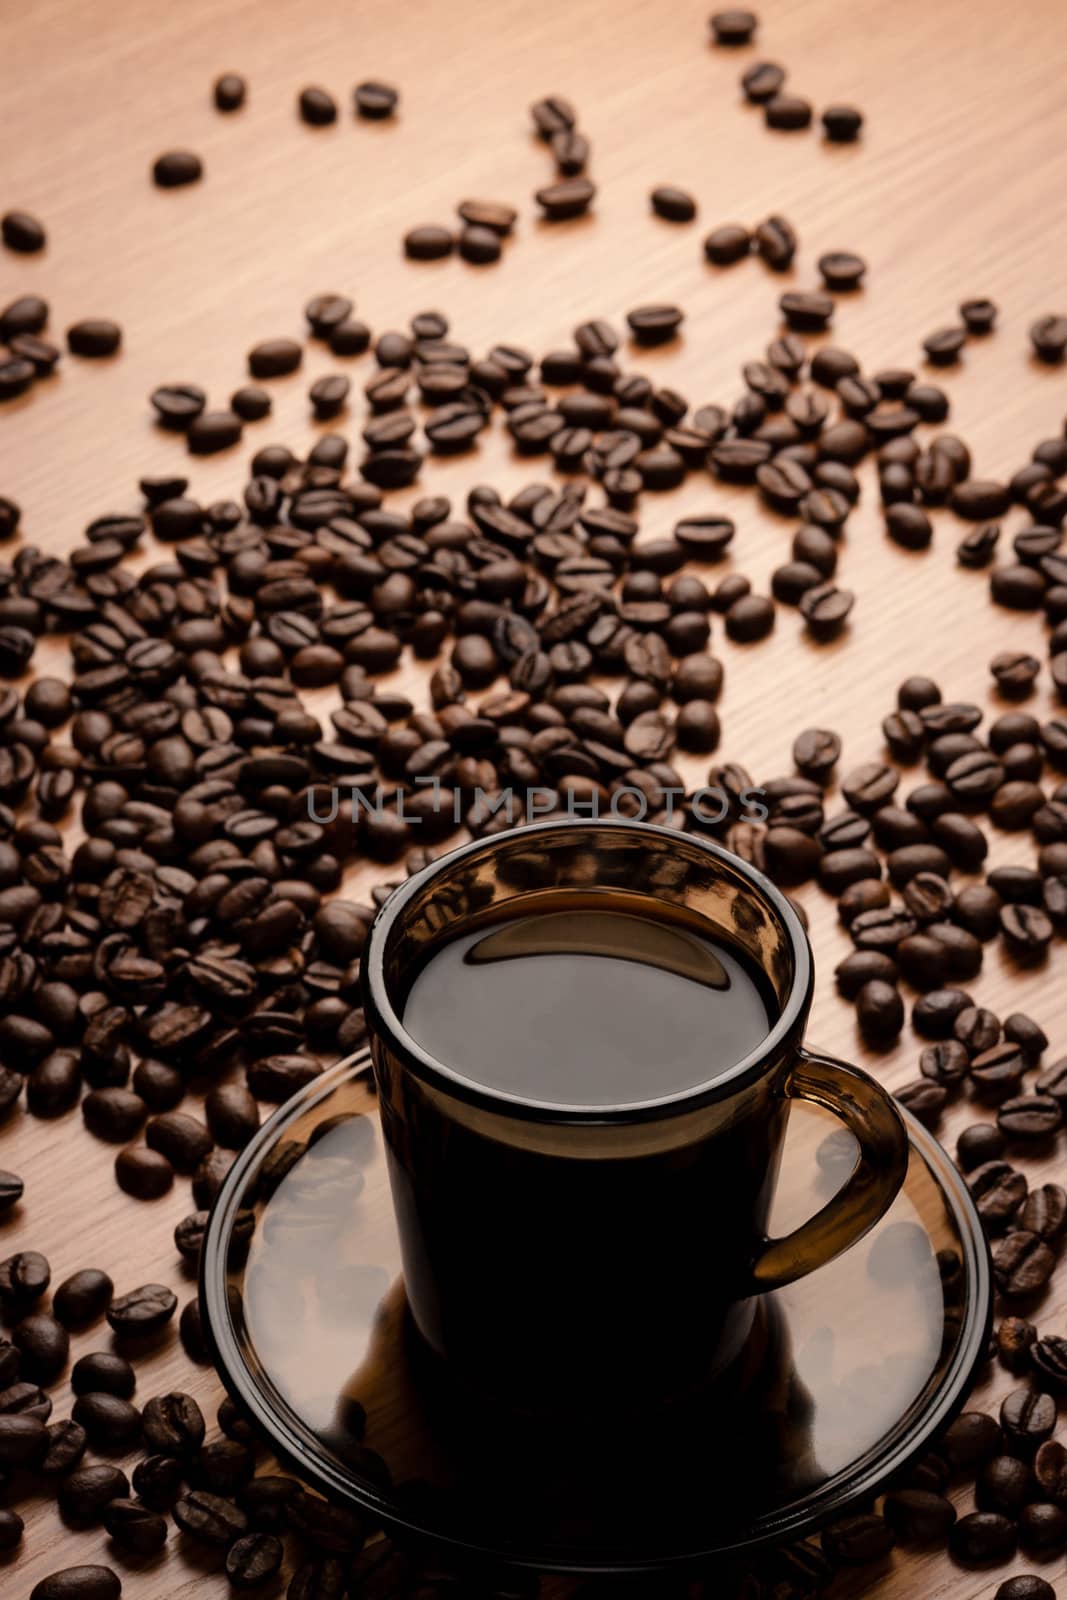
(956, 189)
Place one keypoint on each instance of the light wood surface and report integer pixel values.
(956, 189)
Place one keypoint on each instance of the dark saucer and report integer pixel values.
(849, 1372)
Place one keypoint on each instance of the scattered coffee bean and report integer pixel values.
(375, 101)
(317, 107)
(842, 124)
(94, 337)
(982, 1537)
(673, 205)
(230, 92)
(177, 168)
(733, 27)
(22, 232)
(143, 1311)
(253, 1560)
(78, 1583)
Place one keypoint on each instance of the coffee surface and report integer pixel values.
(589, 1007)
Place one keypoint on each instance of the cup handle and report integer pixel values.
(868, 1111)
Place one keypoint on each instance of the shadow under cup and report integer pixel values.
(560, 1258)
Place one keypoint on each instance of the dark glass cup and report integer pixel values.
(566, 1258)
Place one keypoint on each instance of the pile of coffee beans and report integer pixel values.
(190, 961)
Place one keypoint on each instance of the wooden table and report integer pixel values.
(956, 189)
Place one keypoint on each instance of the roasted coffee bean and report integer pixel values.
(230, 92)
(209, 1518)
(135, 1527)
(11, 1188)
(859, 1539)
(1022, 1264)
(264, 1501)
(825, 609)
(1004, 1484)
(980, 1143)
(492, 214)
(919, 1516)
(113, 1114)
(776, 242)
(948, 1063)
(43, 1344)
(998, 1191)
(1053, 1081)
(213, 431)
(103, 1372)
(787, 111)
(173, 1425)
(191, 1333)
(317, 107)
(1025, 1586)
(84, 1495)
(977, 1029)
(331, 1529)
(1027, 932)
(23, 1440)
(733, 27)
(317, 1580)
(728, 243)
(178, 404)
(375, 101)
(24, 1278)
(842, 124)
(971, 1440)
(1027, 1420)
(428, 243)
(998, 1072)
(176, 168)
(232, 1115)
(1014, 1338)
(110, 1422)
(144, 1173)
(78, 1583)
(82, 1298)
(1043, 1527)
(274, 358)
(94, 337)
(479, 245)
(673, 205)
(982, 1537)
(656, 324)
(1050, 1471)
(253, 1560)
(750, 618)
(925, 1100)
(1029, 1118)
(22, 232)
(25, 1399)
(1048, 1358)
(11, 1529)
(158, 1480)
(181, 1138)
(934, 1014)
(568, 198)
(1048, 335)
(762, 81)
(816, 752)
(842, 270)
(67, 1442)
(142, 1311)
(224, 1465)
(879, 1012)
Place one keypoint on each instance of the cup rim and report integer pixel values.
(385, 1024)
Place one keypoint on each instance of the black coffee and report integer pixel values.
(590, 1004)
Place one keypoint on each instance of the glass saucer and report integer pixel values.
(859, 1365)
